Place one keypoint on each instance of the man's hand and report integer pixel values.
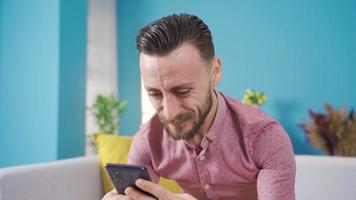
(158, 191)
(113, 195)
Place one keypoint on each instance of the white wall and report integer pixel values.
(101, 55)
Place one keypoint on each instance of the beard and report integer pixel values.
(176, 129)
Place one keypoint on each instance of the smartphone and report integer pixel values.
(123, 176)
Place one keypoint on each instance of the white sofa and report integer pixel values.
(318, 178)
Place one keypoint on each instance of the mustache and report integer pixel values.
(178, 119)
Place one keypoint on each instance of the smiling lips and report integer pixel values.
(179, 123)
(181, 119)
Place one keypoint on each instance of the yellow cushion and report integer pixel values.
(114, 149)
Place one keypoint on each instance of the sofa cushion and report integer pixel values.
(114, 149)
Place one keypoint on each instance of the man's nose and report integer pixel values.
(171, 107)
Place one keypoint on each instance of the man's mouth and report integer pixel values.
(179, 123)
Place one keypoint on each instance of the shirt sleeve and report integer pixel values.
(275, 157)
(139, 154)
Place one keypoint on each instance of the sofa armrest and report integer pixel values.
(70, 179)
(325, 178)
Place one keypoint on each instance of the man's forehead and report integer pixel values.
(147, 61)
(183, 67)
(183, 59)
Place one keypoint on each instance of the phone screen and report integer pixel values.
(123, 176)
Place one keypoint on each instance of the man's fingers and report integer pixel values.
(158, 191)
(122, 197)
(186, 196)
(110, 194)
(113, 195)
(137, 195)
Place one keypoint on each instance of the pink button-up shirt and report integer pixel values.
(246, 155)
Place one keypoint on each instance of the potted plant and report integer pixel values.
(106, 111)
(254, 98)
(334, 132)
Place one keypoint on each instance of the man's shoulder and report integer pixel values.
(152, 133)
(252, 123)
(247, 116)
(148, 136)
(152, 137)
(153, 127)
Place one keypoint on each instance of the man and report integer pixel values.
(212, 145)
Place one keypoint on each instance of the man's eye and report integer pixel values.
(155, 94)
(182, 92)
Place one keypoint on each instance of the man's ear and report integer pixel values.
(216, 71)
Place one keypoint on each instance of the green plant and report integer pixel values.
(254, 97)
(107, 110)
(334, 132)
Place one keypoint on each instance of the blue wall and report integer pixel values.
(73, 43)
(0, 54)
(303, 54)
(41, 102)
(29, 81)
(129, 21)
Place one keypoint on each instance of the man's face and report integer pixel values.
(180, 88)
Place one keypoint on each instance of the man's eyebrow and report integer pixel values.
(179, 87)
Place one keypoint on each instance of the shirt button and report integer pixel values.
(201, 157)
(207, 186)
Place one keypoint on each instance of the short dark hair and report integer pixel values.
(168, 33)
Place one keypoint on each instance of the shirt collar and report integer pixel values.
(219, 119)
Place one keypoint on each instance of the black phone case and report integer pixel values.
(123, 176)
